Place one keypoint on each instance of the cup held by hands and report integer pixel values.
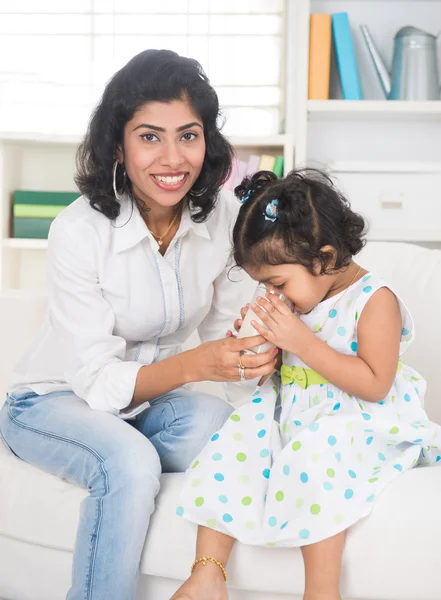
(247, 330)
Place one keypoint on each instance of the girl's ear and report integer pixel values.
(331, 254)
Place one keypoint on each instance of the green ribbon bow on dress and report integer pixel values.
(300, 376)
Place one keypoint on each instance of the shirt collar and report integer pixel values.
(187, 224)
(130, 228)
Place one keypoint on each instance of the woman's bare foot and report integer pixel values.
(205, 583)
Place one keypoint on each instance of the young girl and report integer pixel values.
(307, 457)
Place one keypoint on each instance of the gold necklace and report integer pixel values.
(159, 237)
(337, 301)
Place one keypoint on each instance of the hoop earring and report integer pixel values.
(115, 190)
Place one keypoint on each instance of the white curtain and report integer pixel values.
(56, 56)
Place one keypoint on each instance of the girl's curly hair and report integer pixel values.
(151, 76)
(311, 214)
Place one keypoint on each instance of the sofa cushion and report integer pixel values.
(400, 538)
(415, 274)
(21, 314)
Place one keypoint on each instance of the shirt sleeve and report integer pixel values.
(84, 321)
(232, 289)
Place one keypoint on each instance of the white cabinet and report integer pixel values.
(399, 200)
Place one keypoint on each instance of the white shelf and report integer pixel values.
(261, 141)
(24, 244)
(412, 235)
(39, 138)
(377, 109)
(405, 235)
(384, 167)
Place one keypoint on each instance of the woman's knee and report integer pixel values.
(205, 413)
(134, 469)
(188, 420)
(136, 461)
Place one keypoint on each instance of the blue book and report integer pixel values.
(346, 59)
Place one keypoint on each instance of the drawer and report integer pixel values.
(400, 201)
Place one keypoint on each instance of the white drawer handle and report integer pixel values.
(391, 204)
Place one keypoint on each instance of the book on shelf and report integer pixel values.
(346, 57)
(267, 162)
(320, 34)
(241, 168)
(253, 164)
(278, 166)
(33, 211)
(37, 229)
(37, 211)
(236, 168)
(44, 198)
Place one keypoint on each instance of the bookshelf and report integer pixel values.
(317, 133)
(41, 162)
(395, 133)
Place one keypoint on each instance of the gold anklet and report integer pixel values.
(204, 560)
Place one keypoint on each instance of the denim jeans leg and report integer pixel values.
(120, 468)
(180, 423)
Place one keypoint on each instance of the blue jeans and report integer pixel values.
(119, 463)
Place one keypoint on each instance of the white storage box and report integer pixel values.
(401, 201)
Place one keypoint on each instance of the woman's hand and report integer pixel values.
(285, 329)
(220, 360)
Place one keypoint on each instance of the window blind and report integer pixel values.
(56, 56)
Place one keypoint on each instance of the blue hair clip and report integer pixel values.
(246, 197)
(271, 211)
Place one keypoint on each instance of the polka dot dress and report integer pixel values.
(321, 467)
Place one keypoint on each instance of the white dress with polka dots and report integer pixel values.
(316, 470)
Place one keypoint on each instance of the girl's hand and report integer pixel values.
(285, 329)
(220, 360)
(238, 322)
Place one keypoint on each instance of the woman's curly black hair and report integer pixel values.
(151, 76)
(312, 214)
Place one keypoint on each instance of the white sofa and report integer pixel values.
(394, 554)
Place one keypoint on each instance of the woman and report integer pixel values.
(134, 266)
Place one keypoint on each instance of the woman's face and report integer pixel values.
(164, 150)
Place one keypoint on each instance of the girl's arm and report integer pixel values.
(370, 374)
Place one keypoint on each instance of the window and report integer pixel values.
(55, 56)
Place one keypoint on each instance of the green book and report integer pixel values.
(31, 228)
(278, 166)
(44, 198)
(38, 211)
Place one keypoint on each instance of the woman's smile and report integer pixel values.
(170, 181)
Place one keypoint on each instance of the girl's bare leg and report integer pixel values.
(207, 582)
(322, 568)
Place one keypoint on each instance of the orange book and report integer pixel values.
(319, 56)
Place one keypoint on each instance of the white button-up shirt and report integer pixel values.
(116, 304)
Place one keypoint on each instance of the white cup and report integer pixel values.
(247, 330)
